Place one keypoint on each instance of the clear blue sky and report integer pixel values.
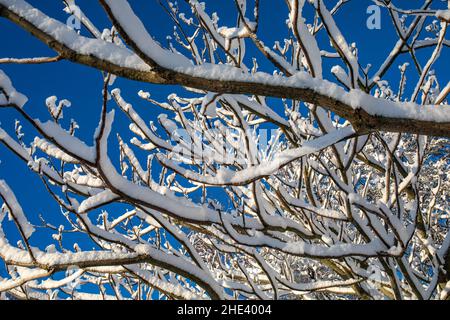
(82, 85)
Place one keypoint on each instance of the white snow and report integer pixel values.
(9, 94)
(267, 168)
(97, 200)
(52, 150)
(308, 41)
(74, 146)
(443, 15)
(134, 27)
(176, 62)
(70, 38)
(15, 209)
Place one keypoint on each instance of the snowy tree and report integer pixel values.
(317, 179)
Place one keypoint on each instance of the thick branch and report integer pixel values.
(365, 112)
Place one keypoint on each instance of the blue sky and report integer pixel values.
(82, 85)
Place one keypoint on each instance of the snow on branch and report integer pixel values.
(273, 171)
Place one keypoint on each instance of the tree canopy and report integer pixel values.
(316, 177)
